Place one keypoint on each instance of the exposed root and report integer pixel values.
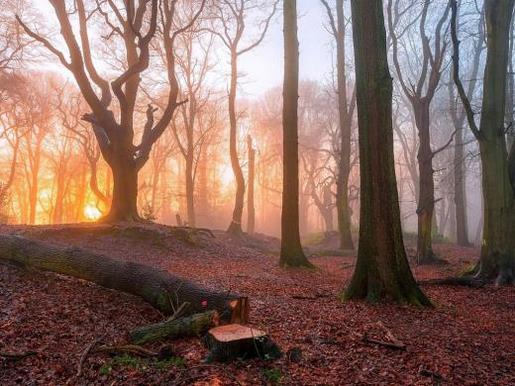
(467, 281)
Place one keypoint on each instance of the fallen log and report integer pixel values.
(158, 287)
(234, 341)
(193, 325)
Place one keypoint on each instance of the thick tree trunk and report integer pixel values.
(161, 289)
(292, 254)
(426, 200)
(124, 205)
(235, 227)
(497, 260)
(251, 212)
(382, 269)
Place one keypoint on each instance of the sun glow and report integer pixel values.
(91, 212)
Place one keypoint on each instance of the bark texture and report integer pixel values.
(382, 270)
(193, 325)
(497, 261)
(292, 254)
(159, 288)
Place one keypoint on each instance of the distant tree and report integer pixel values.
(251, 211)
(382, 269)
(497, 260)
(136, 27)
(420, 94)
(292, 254)
(346, 105)
(232, 20)
(459, 118)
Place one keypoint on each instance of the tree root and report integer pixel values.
(466, 281)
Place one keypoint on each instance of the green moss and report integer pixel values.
(273, 376)
(164, 364)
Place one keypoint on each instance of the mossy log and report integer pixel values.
(193, 325)
(234, 341)
(158, 287)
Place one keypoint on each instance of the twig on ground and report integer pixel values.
(127, 349)
(85, 353)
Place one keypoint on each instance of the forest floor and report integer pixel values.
(468, 338)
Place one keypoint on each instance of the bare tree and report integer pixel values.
(232, 17)
(497, 260)
(346, 105)
(136, 26)
(292, 254)
(420, 94)
(382, 269)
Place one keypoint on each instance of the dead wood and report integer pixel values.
(158, 287)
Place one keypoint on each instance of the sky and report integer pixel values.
(263, 67)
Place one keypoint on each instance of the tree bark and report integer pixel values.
(382, 269)
(161, 289)
(345, 121)
(292, 254)
(193, 325)
(497, 260)
(426, 200)
(251, 212)
(237, 214)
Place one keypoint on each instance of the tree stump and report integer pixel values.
(233, 341)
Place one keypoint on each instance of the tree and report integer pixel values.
(382, 269)
(292, 254)
(136, 29)
(232, 16)
(251, 211)
(459, 117)
(194, 68)
(497, 260)
(420, 95)
(346, 111)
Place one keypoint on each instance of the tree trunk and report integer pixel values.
(426, 200)
(190, 198)
(161, 289)
(124, 205)
(327, 213)
(497, 260)
(292, 254)
(345, 120)
(235, 226)
(382, 269)
(460, 195)
(251, 212)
